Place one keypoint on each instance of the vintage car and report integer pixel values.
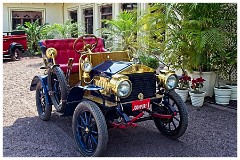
(104, 90)
(14, 44)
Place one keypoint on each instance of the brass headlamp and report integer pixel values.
(121, 85)
(118, 85)
(168, 79)
(86, 66)
(51, 53)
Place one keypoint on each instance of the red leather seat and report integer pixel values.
(65, 50)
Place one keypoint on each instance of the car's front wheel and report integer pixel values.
(90, 129)
(58, 88)
(176, 126)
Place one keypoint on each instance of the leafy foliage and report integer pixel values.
(121, 32)
(149, 61)
(33, 31)
(60, 31)
(187, 35)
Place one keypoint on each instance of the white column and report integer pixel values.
(141, 9)
(116, 8)
(81, 19)
(96, 20)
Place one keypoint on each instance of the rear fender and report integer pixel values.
(15, 45)
(43, 80)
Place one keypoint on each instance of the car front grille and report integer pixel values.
(144, 83)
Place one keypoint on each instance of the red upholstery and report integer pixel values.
(65, 50)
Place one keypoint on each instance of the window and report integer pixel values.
(106, 13)
(20, 17)
(129, 6)
(73, 16)
(88, 16)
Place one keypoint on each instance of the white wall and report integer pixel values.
(52, 12)
(59, 12)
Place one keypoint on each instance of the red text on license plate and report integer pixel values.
(140, 104)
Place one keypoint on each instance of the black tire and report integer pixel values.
(16, 54)
(44, 110)
(90, 129)
(175, 127)
(58, 88)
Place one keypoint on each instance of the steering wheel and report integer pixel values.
(86, 46)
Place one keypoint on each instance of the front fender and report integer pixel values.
(43, 80)
(75, 94)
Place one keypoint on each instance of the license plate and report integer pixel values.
(140, 104)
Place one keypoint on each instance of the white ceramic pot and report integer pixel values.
(197, 99)
(224, 100)
(222, 95)
(222, 91)
(183, 93)
(234, 92)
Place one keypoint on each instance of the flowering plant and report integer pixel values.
(184, 82)
(197, 84)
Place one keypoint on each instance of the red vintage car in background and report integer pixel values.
(14, 43)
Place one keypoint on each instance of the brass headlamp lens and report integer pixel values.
(87, 66)
(168, 79)
(124, 88)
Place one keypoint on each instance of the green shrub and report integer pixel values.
(149, 61)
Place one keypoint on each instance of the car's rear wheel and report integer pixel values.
(44, 109)
(58, 88)
(90, 129)
(16, 54)
(174, 127)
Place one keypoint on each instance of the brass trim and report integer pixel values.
(140, 96)
(99, 100)
(136, 68)
(164, 75)
(111, 104)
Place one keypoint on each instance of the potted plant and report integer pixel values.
(196, 95)
(222, 94)
(231, 64)
(183, 87)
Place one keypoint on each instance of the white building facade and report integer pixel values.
(88, 14)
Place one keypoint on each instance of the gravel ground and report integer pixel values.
(212, 131)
